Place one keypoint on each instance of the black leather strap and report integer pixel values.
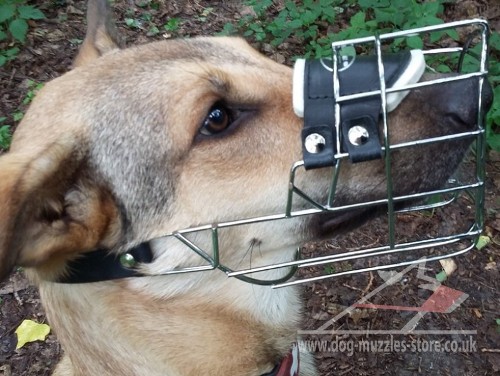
(100, 265)
(319, 114)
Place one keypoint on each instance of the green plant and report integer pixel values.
(493, 117)
(329, 269)
(493, 122)
(305, 22)
(310, 22)
(33, 88)
(205, 13)
(404, 15)
(172, 25)
(471, 64)
(5, 129)
(144, 22)
(14, 17)
(5, 134)
(17, 115)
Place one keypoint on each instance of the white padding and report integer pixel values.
(298, 87)
(412, 74)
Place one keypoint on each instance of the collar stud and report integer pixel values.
(127, 260)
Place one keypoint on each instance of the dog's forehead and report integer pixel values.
(234, 50)
(211, 50)
(140, 79)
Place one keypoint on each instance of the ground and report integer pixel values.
(48, 53)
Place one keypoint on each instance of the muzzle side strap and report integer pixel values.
(318, 141)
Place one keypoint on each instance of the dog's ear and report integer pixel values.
(101, 36)
(50, 210)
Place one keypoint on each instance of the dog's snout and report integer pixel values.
(459, 100)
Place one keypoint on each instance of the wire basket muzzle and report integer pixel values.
(347, 102)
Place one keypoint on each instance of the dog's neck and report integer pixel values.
(100, 265)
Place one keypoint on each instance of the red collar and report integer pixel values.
(289, 366)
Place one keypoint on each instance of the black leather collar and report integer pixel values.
(101, 265)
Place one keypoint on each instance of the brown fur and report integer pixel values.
(110, 155)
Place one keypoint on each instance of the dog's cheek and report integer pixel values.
(229, 193)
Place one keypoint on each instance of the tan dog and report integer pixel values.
(133, 144)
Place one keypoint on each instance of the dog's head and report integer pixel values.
(135, 143)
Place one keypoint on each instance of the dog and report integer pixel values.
(132, 144)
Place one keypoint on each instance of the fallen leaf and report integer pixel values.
(477, 313)
(441, 276)
(491, 266)
(482, 242)
(357, 314)
(31, 331)
(449, 266)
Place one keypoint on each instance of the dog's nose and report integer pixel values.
(487, 96)
(458, 100)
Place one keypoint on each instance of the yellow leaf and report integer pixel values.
(30, 331)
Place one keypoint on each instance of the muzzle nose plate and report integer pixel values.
(411, 74)
(316, 98)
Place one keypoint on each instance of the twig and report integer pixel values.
(370, 282)
(366, 289)
(16, 76)
(491, 350)
(12, 75)
(345, 372)
(16, 295)
(352, 287)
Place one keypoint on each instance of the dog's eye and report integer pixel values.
(217, 120)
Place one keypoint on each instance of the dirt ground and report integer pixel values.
(51, 45)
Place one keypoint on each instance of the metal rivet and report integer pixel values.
(127, 260)
(315, 143)
(358, 135)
